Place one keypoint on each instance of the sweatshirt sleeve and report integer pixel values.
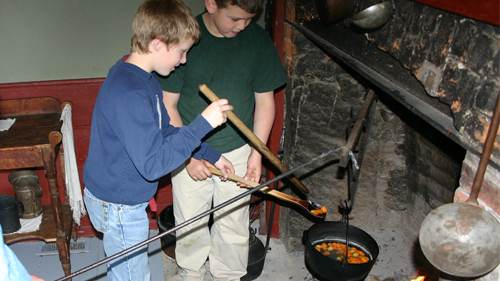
(154, 152)
(208, 153)
(204, 151)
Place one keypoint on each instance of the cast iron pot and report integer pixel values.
(256, 258)
(330, 269)
(165, 222)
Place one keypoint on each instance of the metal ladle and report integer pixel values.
(374, 16)
(462, 239)
(308, 205)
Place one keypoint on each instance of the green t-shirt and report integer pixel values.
(233, 68)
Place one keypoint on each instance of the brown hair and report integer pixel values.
(170, 21)
(249, 6)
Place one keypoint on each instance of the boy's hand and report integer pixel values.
(197, 169)
(214, 113)
(254, 167)
(225, 166)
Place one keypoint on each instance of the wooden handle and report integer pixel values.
(485, 155)
(267, 190)
(357, 129)
(254, 139)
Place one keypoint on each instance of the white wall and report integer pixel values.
(66, 39)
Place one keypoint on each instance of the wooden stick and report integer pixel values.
(278, 194)
(254, 139)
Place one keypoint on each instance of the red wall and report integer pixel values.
(274, 138)
(484, 10)
(83, 93)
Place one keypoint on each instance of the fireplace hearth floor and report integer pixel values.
(391, 265)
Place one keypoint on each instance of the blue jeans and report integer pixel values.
(123, 226)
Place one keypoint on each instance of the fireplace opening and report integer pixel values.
(407, 169)
(436, 78)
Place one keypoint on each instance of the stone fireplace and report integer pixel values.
(436, 78)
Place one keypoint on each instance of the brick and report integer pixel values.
(433, 191)
(496, 64)
(448, 195)
(442, 178)
(288, 32)
(449, 84)
(484, 100)
(423, 167)
(484, 48)
(288, 65)
(467, 88)
(445, 25)
(430, 76)
(461, 195)
(288, 46)
(465, 38)
(477, 128)
(421, 204)
(490, 189)
(290, 12)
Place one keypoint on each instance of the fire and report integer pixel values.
(420, 278)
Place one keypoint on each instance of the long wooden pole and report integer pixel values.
(254, 139)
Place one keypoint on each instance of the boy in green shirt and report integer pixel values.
(237, 59)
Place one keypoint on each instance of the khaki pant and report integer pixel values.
(226, 243)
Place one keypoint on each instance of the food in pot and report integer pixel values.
(336, 251)
(319, 211)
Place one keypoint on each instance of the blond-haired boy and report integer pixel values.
(132, 145)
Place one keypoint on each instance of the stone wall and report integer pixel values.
(408, 168)
(457, 59)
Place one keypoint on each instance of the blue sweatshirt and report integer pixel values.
(132, 144)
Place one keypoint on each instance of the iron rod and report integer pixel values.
(216, 208)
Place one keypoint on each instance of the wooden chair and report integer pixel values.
(33, 141)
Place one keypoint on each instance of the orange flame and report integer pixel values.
(420, 278)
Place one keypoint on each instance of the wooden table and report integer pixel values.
(33, 141)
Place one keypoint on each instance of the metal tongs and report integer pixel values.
(308, 205)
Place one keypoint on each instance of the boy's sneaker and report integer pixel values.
(170, 267)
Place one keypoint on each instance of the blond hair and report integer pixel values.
(170, 21)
